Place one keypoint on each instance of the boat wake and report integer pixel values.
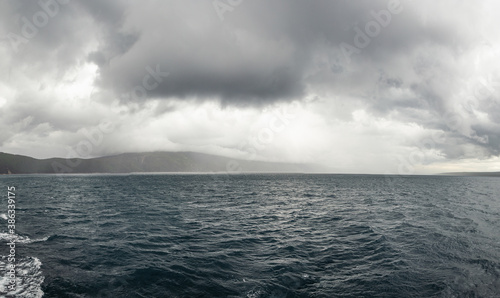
(20, 239)
(28, 275)
(29, 278)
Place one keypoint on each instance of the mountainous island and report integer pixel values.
(144, 163)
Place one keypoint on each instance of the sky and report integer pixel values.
(400, 87)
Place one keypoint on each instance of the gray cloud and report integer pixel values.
(255, 56)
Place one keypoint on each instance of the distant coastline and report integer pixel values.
(477, 174)
(149, 162)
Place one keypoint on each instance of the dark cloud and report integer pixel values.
(260, 53)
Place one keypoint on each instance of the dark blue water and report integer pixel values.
(254, 236)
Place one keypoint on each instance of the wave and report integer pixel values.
(29, 278)
(20, 239)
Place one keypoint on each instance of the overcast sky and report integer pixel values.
(359, 86)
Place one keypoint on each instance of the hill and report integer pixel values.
(143, 162)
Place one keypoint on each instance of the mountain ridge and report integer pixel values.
(144, 162)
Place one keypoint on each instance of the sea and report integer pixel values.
(251, 235)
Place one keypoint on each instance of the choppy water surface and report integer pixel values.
(254, 236)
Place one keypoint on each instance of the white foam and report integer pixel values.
(40, 240)
(29, 278)
(254, 293)
(20, 239)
